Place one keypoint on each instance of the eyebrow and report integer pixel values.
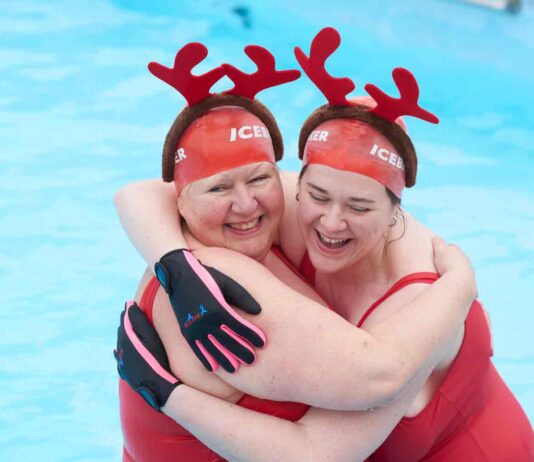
(224, 176)
(351, 199)
(255, 169)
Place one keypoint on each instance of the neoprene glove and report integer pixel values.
(141, 358)
(198, 294)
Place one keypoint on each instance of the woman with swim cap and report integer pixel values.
(355, 244)
(220, 155)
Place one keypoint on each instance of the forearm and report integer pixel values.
(348, 362)
(147, 211)
(358, 370)
(236, 433)
(239, 434)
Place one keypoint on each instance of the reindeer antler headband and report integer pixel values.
(335, 89)
(381, 113)
(196, 90)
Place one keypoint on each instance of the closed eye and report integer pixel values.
(259, 179)
(359, 209)
(218, 188)
(317, 198)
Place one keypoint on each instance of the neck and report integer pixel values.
(264, 256)
(352, 287)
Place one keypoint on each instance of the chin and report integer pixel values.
(256, 254)
(327, 265)
(256, 250)
(324, 262)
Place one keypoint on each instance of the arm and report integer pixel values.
(148, 213)
(234, 432)
(376, 366)
(239, 434)
(364, 369)
(187, 282)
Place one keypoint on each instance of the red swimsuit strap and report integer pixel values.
(282, 256)
(147, 298)
(307, 269)
(412, 278)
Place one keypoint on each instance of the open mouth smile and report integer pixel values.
(247, 227)
(331, 243)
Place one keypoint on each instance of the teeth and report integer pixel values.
(332, 242)
(245, 226)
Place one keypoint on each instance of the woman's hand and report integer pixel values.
(200, 298)
(141, 358)
(450, 258)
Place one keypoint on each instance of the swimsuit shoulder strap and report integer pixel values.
(306, 269)
(282, 256)
(412, 278)
(147, 298)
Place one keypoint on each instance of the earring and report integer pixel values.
(297, 197)
(394, 221)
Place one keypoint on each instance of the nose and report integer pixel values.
(244, 202)
(332, 219)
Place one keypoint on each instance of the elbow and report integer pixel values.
(390, 382)
(129, 194)
(119, 197)
(133, 191)
(389, 390)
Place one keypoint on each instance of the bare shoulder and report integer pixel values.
(411, 248)
(395, 303)
(290, 239)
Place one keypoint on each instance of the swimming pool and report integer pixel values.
(80, 116)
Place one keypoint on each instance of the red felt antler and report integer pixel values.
(323, 45)
(194, 88)
(390, 108)
(249, 85)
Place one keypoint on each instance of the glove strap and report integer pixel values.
(167, 266)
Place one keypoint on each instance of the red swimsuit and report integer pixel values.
(154, 437)
(472, 417)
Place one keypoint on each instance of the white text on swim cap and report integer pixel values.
(248, 131)
(179, 155)
(318, 135)
(387, 156)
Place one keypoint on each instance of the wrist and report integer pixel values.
(167, 269)
(177, 396)
(173, 252)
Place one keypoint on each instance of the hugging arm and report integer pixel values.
(189, 284)
(148, 213)
(350, 368)
(237, 433)
(317, 357)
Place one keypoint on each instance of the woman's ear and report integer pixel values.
(180, 201)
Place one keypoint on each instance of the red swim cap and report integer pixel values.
(222, 139)
(349, 144)
(352, 145)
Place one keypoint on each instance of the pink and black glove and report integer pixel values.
(141, 358)
(215, 332)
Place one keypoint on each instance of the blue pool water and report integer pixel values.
(80, 116)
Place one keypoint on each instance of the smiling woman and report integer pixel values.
(246, 205)
(74, 83)
(343, 216)
(377, 266)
